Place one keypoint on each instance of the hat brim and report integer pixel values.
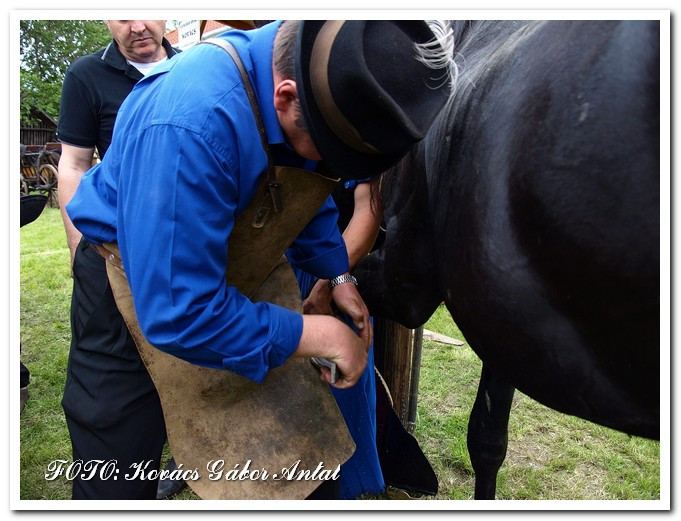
(343, 160)
(31, 208)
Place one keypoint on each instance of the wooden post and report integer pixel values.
(393, 357)
(417, 349)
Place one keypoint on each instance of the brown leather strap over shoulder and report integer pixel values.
(274, 185)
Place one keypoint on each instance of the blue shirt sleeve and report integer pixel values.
(320, 249)
(174, 218)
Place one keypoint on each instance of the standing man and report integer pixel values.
(187, 159)
(94, 88)
(102, 351)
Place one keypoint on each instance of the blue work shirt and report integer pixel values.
(185, 161)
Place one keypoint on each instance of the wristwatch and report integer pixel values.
(342, 279)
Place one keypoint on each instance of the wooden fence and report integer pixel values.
(36, 135)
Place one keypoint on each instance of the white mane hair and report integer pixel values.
(438, 53)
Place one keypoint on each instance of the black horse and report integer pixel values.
(532, 210)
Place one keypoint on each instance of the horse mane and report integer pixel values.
(438, 53)
(476, 45)
(399, 176)
(476, 42)
(471, 44)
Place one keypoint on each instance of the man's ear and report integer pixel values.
(285, 94)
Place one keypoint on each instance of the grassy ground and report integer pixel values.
(551, 456)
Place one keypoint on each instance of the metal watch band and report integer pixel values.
(342, 279)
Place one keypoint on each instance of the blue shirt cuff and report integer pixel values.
(286, 328)
(327, 265)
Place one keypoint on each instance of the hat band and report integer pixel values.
(319, 80)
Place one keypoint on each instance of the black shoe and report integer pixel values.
(169, 487)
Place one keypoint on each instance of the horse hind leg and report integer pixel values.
(488, 431)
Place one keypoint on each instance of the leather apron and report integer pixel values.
(217, 415)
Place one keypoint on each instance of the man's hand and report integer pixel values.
(318, 301)
(348, 301)
(327, 337)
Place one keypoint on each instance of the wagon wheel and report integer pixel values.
(24, 185)
(47, 183)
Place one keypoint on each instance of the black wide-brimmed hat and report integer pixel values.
(365, 96)
(31, 208)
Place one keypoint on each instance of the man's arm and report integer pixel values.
(359, 237)
(73, 163)
(362, 230)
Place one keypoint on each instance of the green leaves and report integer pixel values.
(47, 48)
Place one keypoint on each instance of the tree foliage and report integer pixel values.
(47, 49)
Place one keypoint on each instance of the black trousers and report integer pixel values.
(112, 408)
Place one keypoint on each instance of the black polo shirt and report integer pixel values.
(94, 87)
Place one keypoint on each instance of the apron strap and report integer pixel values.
(274, 186)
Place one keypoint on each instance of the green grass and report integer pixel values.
(551, 456)
(45, 335)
